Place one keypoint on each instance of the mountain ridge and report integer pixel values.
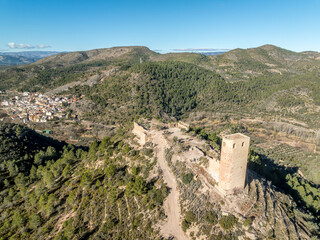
(21, 58)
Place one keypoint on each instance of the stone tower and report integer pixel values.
(233, 162)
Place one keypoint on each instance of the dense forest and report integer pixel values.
(176, 89)
(74, 193)
(21, 148)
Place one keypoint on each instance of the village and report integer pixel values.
(36, 107)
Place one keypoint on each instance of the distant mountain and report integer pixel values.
(212, 53)
(20, 58)
(312, 54)
(240, 64)
(63, 68)
(31, 54)
(112, 55)
(234, 65)
(6, 60)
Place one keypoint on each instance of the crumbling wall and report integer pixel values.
(183, 125)
(214, 167)
(141, 133)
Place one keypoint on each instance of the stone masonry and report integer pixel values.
(233, 162)
(141, 133)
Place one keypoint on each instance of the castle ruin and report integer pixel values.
(229, 171)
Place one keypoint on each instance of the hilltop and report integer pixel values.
(114, 54)
(241, 64)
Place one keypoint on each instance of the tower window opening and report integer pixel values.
(242, 144)
(234, 145)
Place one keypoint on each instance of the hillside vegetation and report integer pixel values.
(267, 79)
(175, 89)
(102, 192)
(265, 60)
(112, 190)
(21, 148)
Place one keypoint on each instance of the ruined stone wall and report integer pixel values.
(214, 167)
(183, 125)
(141, 133)
(233, 162)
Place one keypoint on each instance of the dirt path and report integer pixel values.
(171, 205)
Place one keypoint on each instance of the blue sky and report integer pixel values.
(70, 25)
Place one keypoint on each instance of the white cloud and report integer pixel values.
(13, 45)
(43, 46)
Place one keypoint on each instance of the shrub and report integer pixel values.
(211, 217)
(34, 221)
(227, 222)
(185, 225)
(247, 222)
(187, 178)
(190, 216)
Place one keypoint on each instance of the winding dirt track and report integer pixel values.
(171, 205)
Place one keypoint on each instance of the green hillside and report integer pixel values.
(235, 65)
(175, 89)
(242, 64)
(21, 147)
(101, 192)
(263, 80)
